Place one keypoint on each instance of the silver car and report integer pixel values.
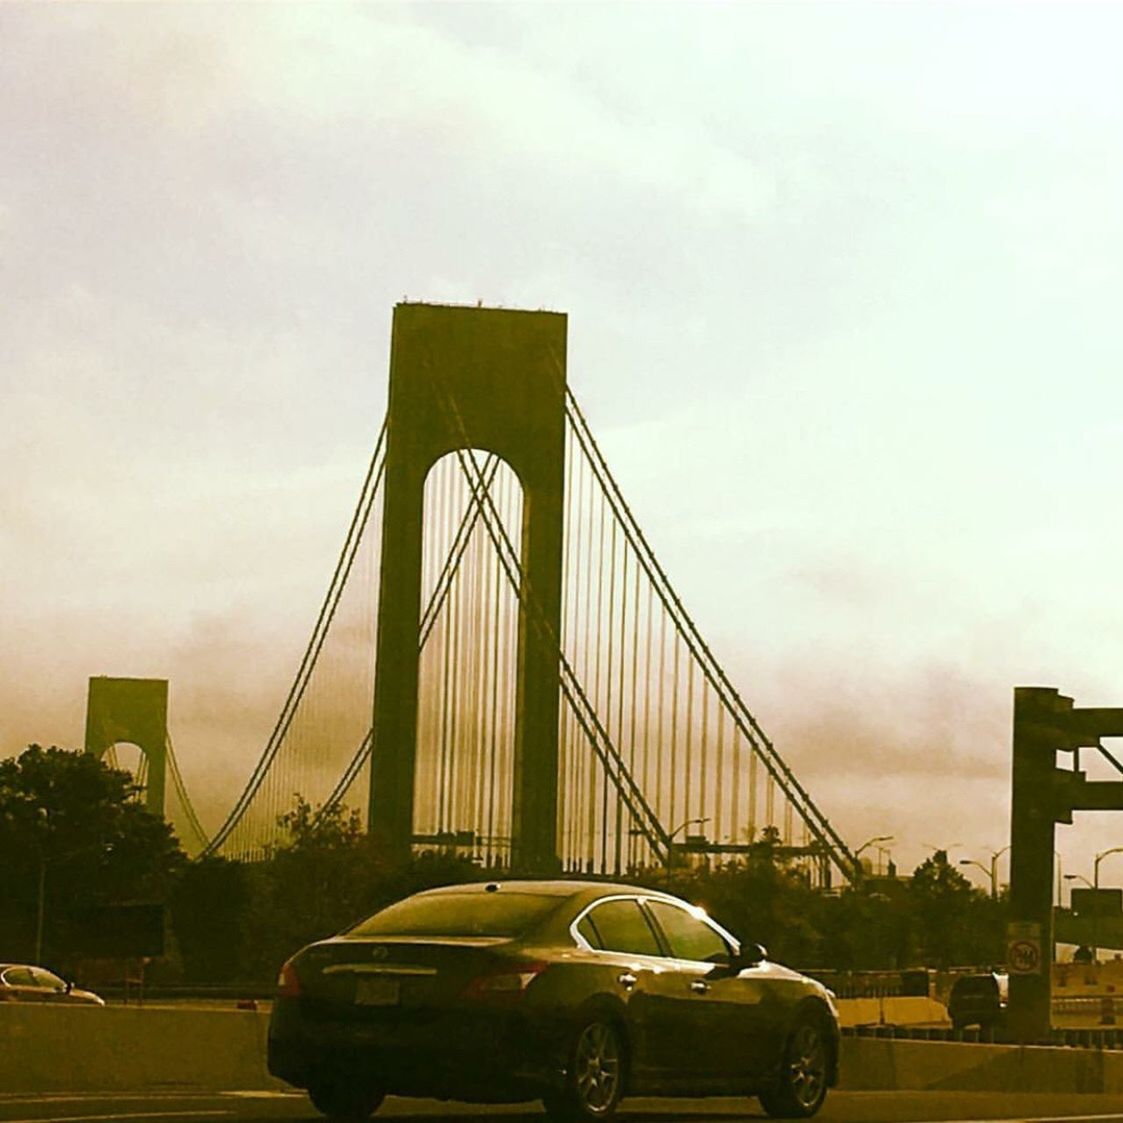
(20, 982)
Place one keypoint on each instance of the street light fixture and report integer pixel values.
(681, 827)
(871, 842)
(1095, 911)
(1094, 885)
(992, 872)
(1096, 864)
(877, 838)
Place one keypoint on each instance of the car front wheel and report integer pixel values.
(344, 1102)
(801, 1085)
(595, 1075)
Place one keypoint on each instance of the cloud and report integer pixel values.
(841, 291)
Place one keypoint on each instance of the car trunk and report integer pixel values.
(393, 978)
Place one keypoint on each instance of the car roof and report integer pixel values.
(554, 888)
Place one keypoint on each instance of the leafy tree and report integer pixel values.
(864, 931)
(73, 836)
(940, 900)
(327, 874)
(210, 904)
(763, 899)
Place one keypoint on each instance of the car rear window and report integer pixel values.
(460, 914)
(975, 984)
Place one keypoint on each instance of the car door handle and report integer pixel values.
(699, 986)
(627, 980)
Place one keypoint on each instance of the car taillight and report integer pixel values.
(288, 982)
(508, 983)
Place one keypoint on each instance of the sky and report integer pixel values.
(842, 285)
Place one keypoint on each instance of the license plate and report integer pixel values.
(377, 992)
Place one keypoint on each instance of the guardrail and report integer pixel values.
(130, 994)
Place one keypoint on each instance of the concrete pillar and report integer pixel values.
(490, 379)
(133, 710)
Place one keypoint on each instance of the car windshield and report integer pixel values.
(460, 914)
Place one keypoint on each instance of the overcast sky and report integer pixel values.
(843, 287)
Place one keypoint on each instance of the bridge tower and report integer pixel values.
(133, 710)
(491, 379)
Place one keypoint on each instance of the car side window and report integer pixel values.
(689, 937)
(46, 980)
(622, 926)
(19, 977)
(588, 932)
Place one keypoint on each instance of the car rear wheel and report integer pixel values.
(801, 1085)
(344, 1101)
(594, 1077)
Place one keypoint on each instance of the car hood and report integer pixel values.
(87, 996)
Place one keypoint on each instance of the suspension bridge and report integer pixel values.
(500, 665)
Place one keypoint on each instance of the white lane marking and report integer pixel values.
(264, 1094)
(119, 1115)
(1103, 1117)
(94, 1101)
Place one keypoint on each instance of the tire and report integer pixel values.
(345, 1102)
(594, 1081)
(801, 1084)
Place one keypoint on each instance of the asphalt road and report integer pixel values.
(841, 1107)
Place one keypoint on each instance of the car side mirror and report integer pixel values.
(69, 986)
(752, 954)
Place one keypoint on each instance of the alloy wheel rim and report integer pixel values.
(808, 1065)
(597, 1068)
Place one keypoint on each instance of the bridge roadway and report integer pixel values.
(284, 1107)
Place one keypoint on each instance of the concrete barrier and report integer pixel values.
(884, 1064)
(892, 1012)
(96, 1048)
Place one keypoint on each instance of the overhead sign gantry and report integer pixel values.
(1046, 722)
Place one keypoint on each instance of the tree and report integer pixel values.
(72, 837)
(209, 907)
(762, 899)
(325, 875)
(941, 899)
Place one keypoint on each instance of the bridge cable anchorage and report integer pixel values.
(342, 571)
(429, 618)
(747, 725)
(184, 799)
(613, 764)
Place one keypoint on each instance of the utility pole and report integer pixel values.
(39, 910)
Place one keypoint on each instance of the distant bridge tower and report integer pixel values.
(133, 710)
(491, 379)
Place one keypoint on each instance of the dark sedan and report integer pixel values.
(574, 993)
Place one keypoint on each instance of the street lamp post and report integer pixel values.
(671, 837)
(1095, 908)
(43, 818)
(39, 908)
(870, 842)
(992, 872)
(1094, 885)
(1095, 904)
(1096, 864)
